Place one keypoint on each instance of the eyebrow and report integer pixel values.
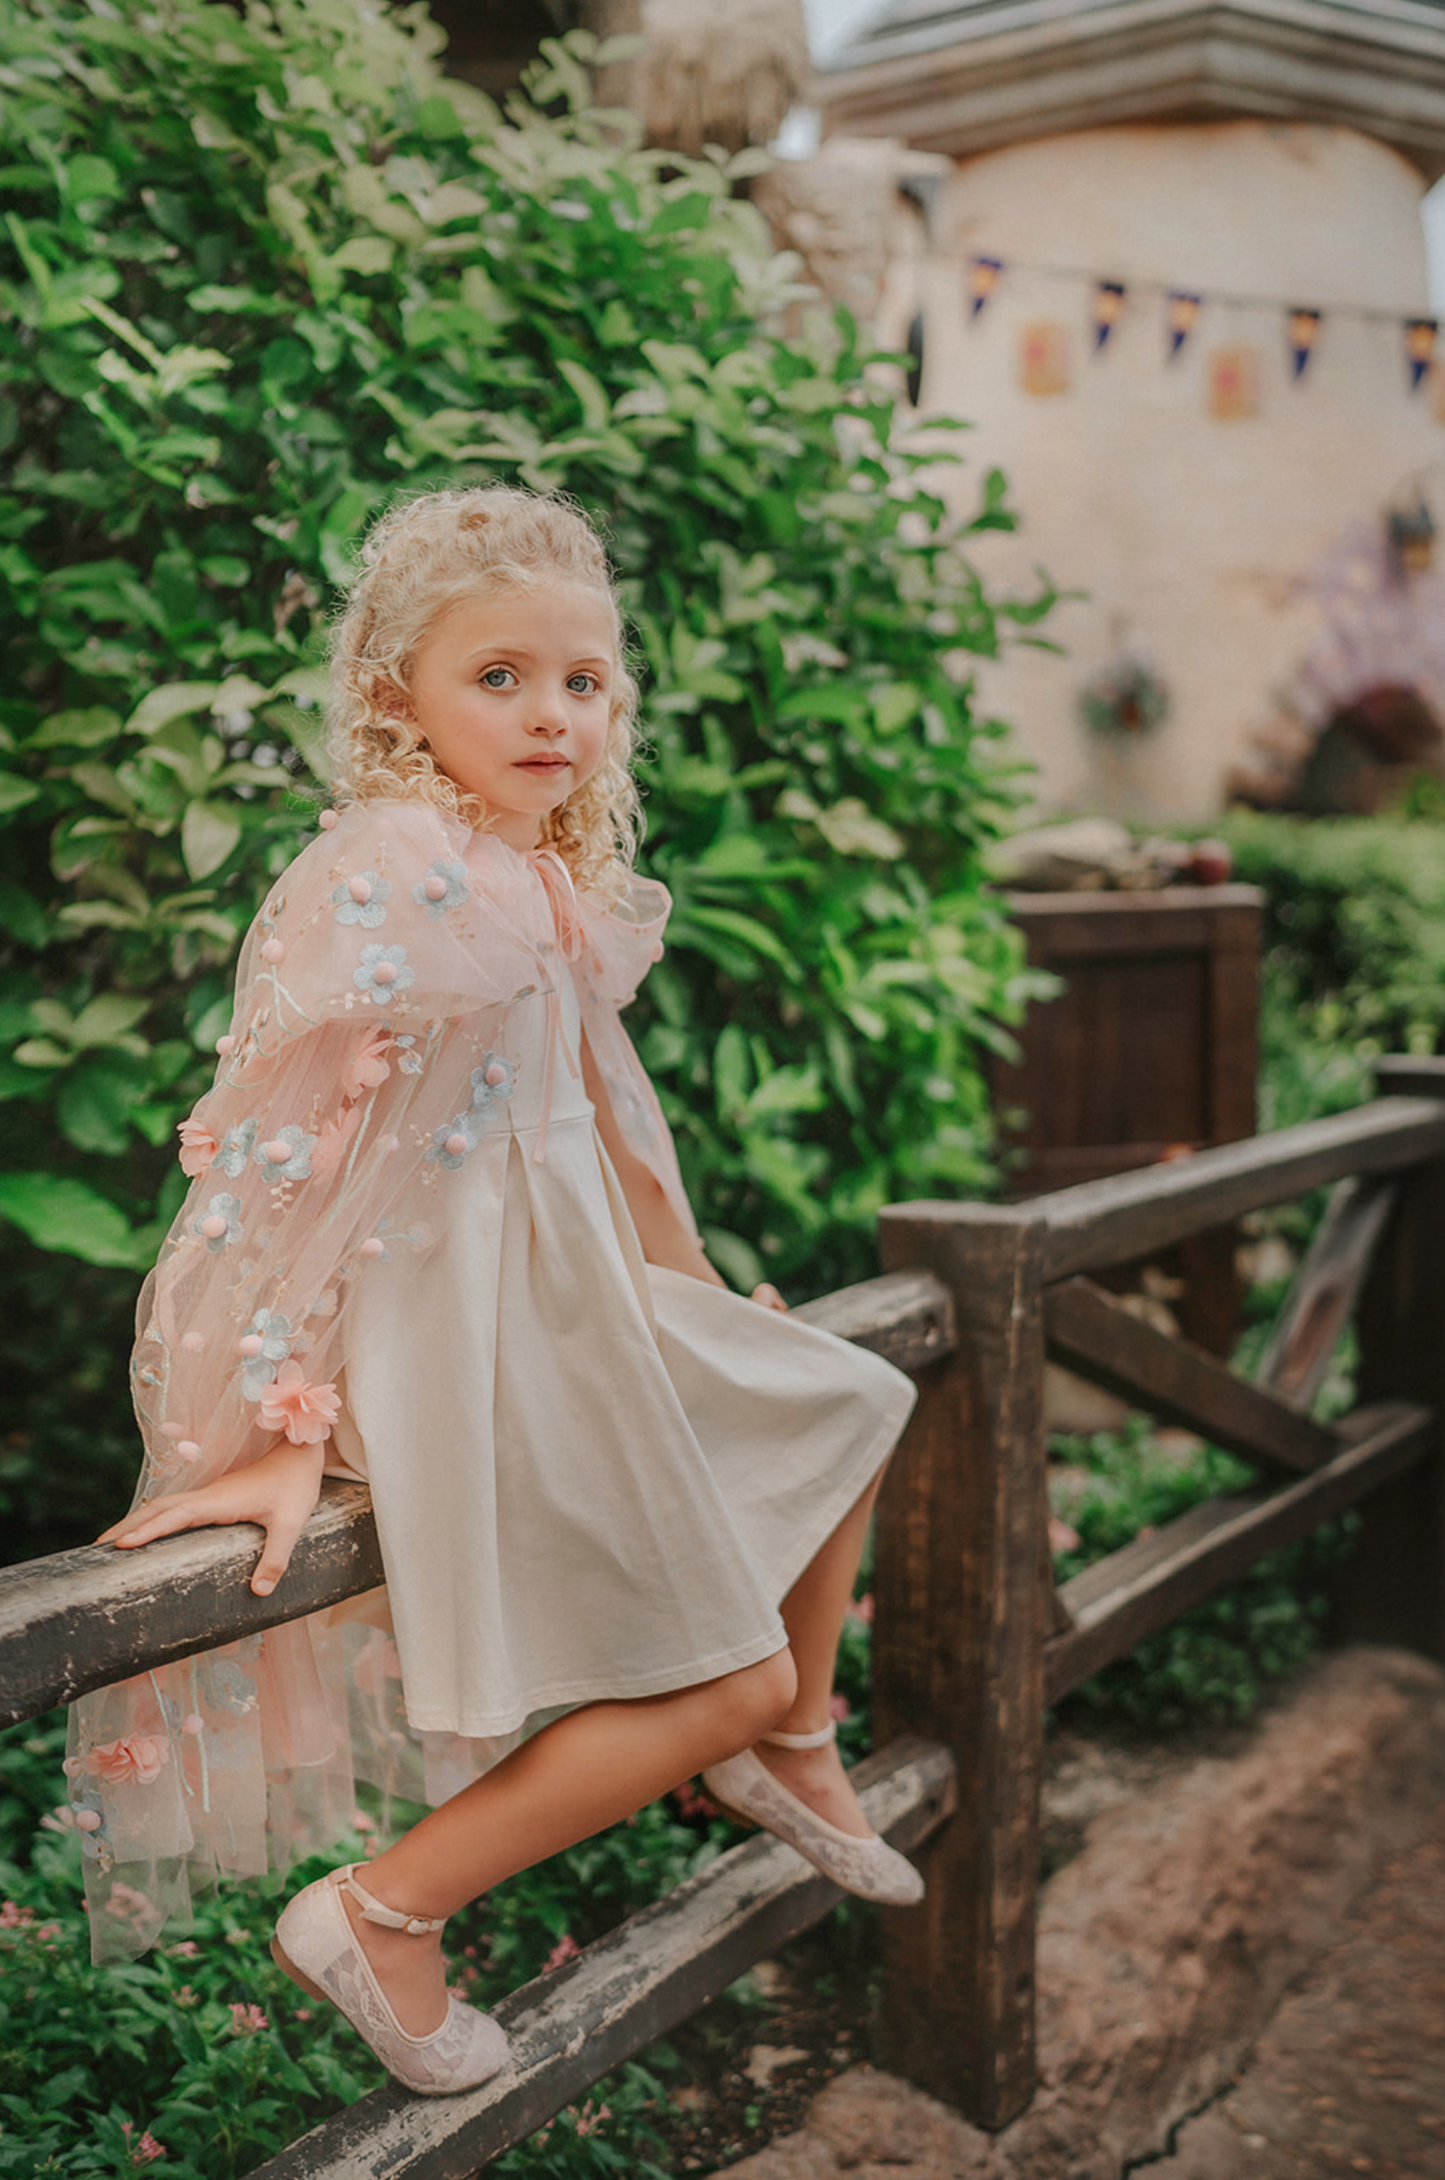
(520, 651)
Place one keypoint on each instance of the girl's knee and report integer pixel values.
(767, 1693)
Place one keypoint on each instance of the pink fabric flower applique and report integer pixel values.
(142, 1758)
(368, 1067)
(198, 1147)
(304, 1412)
(331, 1144)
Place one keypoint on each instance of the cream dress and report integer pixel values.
(591, 1478)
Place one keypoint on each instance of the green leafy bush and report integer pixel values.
(1354, 952)
(258, 273)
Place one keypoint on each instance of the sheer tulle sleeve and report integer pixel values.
(619, 945)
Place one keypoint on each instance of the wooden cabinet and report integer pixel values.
(1149, 1052)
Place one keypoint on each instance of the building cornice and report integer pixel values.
(968, 79)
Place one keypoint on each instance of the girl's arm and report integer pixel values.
(665, 1241)
(280, 1491)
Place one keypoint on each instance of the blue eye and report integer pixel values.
(586, 681)
(496, 677)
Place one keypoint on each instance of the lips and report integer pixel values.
(544, 765)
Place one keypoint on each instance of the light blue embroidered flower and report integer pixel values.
(225, 1688)
(362, 900)
(219, 1224)
(286, 1155)
(444, 886)
(87, 1817)
(383, 971)
(492, 1081)
(264, 1345)
(452, 1141)
(409, 1060)
(236, 1149)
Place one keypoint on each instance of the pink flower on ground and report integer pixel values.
(304, 1412)
(1062, 1536)
(245, 2020)
(198, 1147)
(368, 1068)
(141, 1757)
(147, 2150)
(861, 1608)
(330, 1146)
(15, 1917)
(588, 2121)
(692, 1803)
(565, 1949)
(184, 1949)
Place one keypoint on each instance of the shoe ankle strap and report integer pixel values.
(373, 1911)
(817, 1740)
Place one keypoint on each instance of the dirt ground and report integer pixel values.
(1349, 2076)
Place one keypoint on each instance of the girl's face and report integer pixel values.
(512, 691)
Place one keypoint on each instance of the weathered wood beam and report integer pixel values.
(629, 1988)
(1130, 1215)
(961, 1579)
(1137, 1591)
(907, 1317)
(78, 1620)
(1325, 1289)
(1092, 1333)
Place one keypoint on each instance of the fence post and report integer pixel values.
(1393, 1589)
(961, 1557)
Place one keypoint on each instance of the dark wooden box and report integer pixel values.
(1149, 1052)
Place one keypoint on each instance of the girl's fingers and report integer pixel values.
(275, 1556)
(769, 1296)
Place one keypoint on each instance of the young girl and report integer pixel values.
(436, 1239)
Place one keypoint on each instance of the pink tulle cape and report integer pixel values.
(362, 1055)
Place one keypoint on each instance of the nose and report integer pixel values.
(546, 714)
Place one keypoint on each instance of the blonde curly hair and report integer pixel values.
(418, 558)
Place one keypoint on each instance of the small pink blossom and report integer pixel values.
(587, 2121)
(141, 1757)
(368, 1068)
(565, 1949)
(147, 2150)
(125, 1903)
(837, 1705)
(245, 2020)
(692, 1803)
(15, 1917)
(330, 1146)
(1063, 1537)
(184, 1949)
(198, 1147)
(301, 2013)
(185, 1996)
(861, 1608)
(304, 1412)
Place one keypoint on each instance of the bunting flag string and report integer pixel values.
(1183, 316)
(1183, 308)
(1420, 336)
(1304, 331)
(1108, 309)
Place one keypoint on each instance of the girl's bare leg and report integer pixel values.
(813, 1615)
(576, 1776)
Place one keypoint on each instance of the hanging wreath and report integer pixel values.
(1127, 700)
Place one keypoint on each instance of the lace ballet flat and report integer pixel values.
(318, 1949)
(872, 1869)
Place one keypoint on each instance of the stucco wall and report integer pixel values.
(1186, 531)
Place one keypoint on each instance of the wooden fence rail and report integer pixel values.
(971, 1639)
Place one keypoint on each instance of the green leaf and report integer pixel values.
(21, 915)
(76, 729)
(208, 835)
(104, 1019)
(590, 392)
(66, 1216)
(175, 700)
(93, 1107)
(16, 793)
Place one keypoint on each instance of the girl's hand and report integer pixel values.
(769, 1296)
(280, 1491)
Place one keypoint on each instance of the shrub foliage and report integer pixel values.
(260, 271)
